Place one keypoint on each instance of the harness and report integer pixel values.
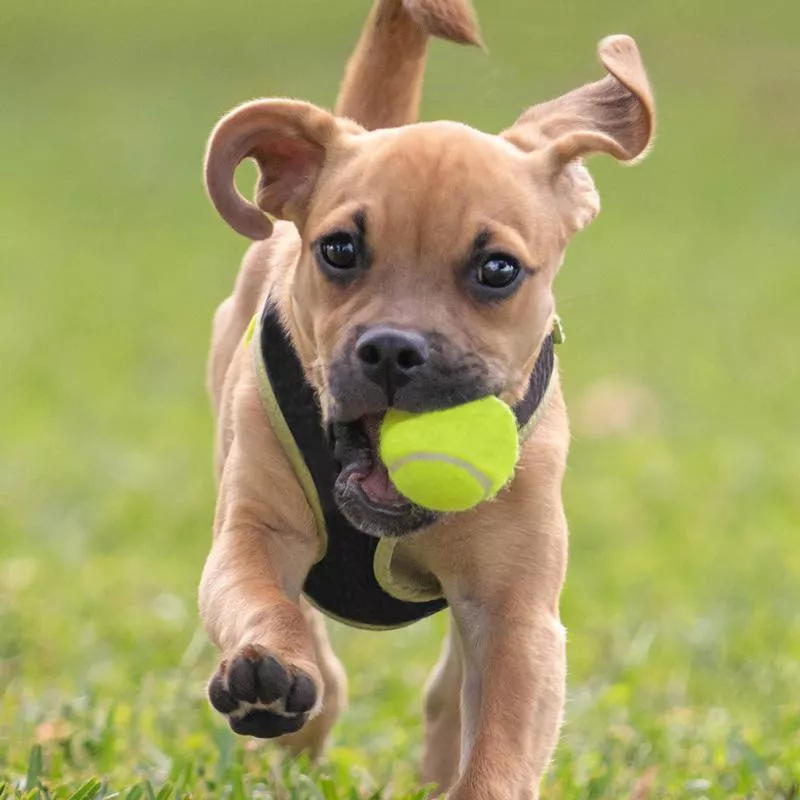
(353, 580)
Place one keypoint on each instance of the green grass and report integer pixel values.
(680, 303)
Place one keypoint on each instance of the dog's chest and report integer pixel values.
(352, 581)
(357, 580)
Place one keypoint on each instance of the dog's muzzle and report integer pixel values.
(363, 490)
(382, 367)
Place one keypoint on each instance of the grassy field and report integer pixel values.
(681, 369)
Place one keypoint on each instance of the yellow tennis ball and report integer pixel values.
(451, 460)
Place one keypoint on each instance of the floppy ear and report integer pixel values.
(289, 141)
(614, 115)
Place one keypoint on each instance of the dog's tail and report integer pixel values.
(383, 81)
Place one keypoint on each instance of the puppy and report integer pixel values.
(406, 265)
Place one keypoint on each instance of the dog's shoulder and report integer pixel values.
(265, 263)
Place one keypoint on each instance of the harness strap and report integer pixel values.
(343, 583)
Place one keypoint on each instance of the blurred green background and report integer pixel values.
(681, 371)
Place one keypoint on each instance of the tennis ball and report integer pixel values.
(450, 460)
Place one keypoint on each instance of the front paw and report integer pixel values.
(262, 696)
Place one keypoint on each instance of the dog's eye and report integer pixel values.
(497, 272)
(338, 251)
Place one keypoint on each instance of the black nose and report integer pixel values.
(390, 357)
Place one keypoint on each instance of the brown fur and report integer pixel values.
(494, 702)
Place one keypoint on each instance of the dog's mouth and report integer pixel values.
(370, 474)
(363, 489)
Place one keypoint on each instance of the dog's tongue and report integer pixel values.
(375, 483)
(377, 486)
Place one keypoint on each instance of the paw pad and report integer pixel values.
(260, 695)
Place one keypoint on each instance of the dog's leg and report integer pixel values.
(268, 682)
(504, 598)
(443, 715)
(312, 736)
(512, 703)
(275, 658)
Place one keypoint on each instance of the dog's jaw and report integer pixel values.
(363, 490)
(355, 406)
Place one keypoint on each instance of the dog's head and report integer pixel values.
(428, 251)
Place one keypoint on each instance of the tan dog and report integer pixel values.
(412, 267)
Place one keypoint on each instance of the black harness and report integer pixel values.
(342, 583)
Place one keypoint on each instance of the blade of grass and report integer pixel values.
(35, 766)
(88, 791)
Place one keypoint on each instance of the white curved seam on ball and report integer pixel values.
(438, 458)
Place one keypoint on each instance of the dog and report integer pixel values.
(408, 265)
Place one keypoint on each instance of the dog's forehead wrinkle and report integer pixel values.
(482, 239)
(454, 199)
(360, 220)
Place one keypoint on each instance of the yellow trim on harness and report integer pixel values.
(392, 582)
(281, 430)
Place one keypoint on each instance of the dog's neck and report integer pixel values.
(530, 408)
